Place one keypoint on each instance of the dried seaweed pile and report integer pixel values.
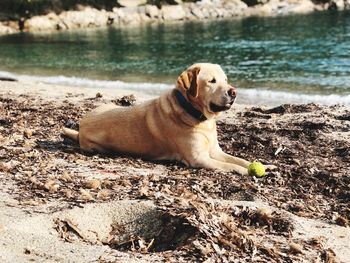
(311, 179)
(310, 145)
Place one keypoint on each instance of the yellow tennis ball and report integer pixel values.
(256, 169)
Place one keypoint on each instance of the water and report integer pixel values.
(272, 60)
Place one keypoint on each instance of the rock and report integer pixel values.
(132, 3)
(42, 23)
(113, 18)
(276, 7)
(338, 4)
(144, 17)
(213, 13)
(347, 4)
(259, 10)
(197, 12)
(301, 7)
(6, 30)
(12, 24)
(173, 12)
(129, 10)
(137, 12)
(205, 11)
(128, 15)
(235, 7)
(117, 15)
(271, 8)
(152, 11)
(187, 8)
(89, 17)
(131, 19)
(206, 3)
(220, 12)
(61, 25)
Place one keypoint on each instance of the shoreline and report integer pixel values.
(247, 96)
(88, 17)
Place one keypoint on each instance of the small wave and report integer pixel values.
(82, 82)
(271, 97)
(5, 74)
(246, 96)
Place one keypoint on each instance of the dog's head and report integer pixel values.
(206, 87)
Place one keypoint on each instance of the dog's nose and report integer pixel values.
(232, 93)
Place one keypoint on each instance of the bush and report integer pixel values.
(17, 9)
(255, 2)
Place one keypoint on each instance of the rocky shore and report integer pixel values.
(135, 14)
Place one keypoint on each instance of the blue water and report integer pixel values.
(302, 58)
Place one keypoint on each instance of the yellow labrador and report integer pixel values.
(179, 125)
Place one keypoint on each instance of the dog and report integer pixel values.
(179, 125)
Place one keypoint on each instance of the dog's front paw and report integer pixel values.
(244, 172)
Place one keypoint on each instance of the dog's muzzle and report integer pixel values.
(217, 108)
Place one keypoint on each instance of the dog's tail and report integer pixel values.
(73, 134)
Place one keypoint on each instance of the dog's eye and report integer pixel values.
(213, 80)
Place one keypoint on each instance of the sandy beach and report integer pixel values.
(58, 204)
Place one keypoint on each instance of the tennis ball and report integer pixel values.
(256, 169)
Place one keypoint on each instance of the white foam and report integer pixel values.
(81, 82)
(5, 74)
(272, 97)
(245, 96)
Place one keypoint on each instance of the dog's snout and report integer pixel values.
(232, 93)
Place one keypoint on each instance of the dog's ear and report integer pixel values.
(188, 81)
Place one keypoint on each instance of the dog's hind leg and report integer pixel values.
(72, 134)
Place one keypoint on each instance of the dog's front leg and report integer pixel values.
(205, 161)
(218, 154)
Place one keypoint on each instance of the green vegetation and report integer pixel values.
(17, 9)
(22, 9)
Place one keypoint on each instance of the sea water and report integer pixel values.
(289, 59)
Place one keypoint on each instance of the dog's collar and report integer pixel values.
(198, 115)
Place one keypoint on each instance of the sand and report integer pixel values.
(60, 205)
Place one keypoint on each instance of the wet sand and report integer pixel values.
(58, 204)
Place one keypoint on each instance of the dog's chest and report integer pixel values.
(208, 130)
